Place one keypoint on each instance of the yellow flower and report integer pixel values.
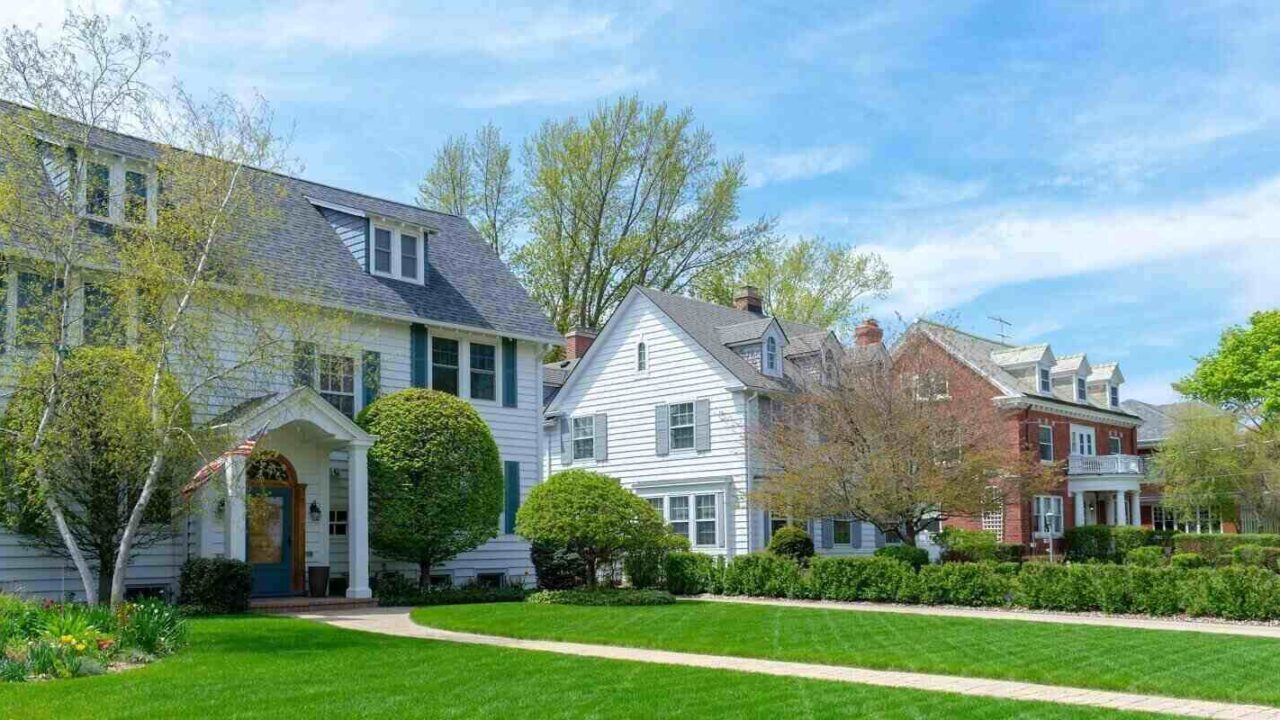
(67, 639)
(79, 647)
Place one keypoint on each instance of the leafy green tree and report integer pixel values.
(435, 478)
(1243, 374)
(807, 281)
(633, 195)
(474, 178)
(95, 456)
(591, 515)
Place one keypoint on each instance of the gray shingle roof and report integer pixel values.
(1157, 420)
(1020, 355)
(744, 331)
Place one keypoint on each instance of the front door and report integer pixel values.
(270, 540)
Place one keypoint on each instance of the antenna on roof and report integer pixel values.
(1004, 325)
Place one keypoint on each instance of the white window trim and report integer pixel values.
(771, 355)
(397, 230)
(1055, 506)
(1081, 389)
(590, 421)
(919, 383)
(1078, 448)
(641, 351)
(692, 495)
(1039, 444)
(693, 424)
(464, 347)
(1044, 380)
(852, 525)
(356, 389)
(1113, 396)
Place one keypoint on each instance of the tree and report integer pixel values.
(806, 281)
(474, 178)
(633, 196)
(95, 456)
(1243, 375)
(887, 445)
(592, 515)
(435, 478)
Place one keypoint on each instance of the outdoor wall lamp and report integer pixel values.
(314, 511)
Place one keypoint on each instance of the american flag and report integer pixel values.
(244, 449)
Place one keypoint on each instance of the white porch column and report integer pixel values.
(1079, 519)
(1135, 508)
(358, 521)
(1120, 504)
(1111, 511)
(234, 540)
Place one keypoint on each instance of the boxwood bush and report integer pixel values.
(960, 545)
(691, 573)
(215, 586)
(975, 584)
(1216, 549)
(876, 579)
(765, 575)
(1257, 556)
(1149, 556)
(913, 556)
(792, 542)
(602, 597)
(1187, 560)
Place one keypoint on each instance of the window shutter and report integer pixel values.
(418, 355)
(426, 256)
(601, 441)
(511, 472)
(662, 438)
(879, 538)
(855, 533)
(304, 364)
(828, 533)
(368, 251)
(566, 443)
(371, 377)
(509, 355)
(702, 425)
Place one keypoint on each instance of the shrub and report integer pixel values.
(1148, 556)
(602, 597)
(913, 556)
(1216, 549)
(643, 565)
(216, 586)
(764, 575)
(1129, 537)
(792, 542)
(1049, 586)
(1009, 553)
(1234, 593)
(877, 579)
(973, 584)
(393, 589)
(1155, 590)
(1088, 542)
(557, 568)
(960, 545)
(1256, 555)
(153, 626)
(1187, 560)
(689, 573)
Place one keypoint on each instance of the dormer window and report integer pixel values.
(1081, 390)
(382, 251)
(409, 257)
(1046, 381)
(397, 254)
(771, 355)
(1113, 395)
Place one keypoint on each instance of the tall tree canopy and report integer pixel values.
(633, 195)
(475, 178)
(1243, 374)
(808, 281)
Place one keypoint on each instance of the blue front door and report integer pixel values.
(270, 540)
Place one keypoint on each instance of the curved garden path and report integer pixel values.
(396, 621)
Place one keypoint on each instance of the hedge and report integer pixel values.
(913, 556)
(973, 584)
(1106, 542)
(691, 573)
(629, 597)
(215, 586)
(765, 575)
(1257, 556)
(1216, 549)
(876, 579)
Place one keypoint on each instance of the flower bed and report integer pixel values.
(56, 640)
(602, 597)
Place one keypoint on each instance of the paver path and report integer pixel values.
(1217, 627)
(395, 621)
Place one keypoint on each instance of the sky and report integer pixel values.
(1104, 176)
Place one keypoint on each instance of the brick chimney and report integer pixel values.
(868, 333)
(748, 298)
(578, 340)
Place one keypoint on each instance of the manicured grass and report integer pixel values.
(281, 668)
(1152, 662)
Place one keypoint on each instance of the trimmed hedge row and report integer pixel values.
(1107, 542)
(1217, 549)
(628, 597)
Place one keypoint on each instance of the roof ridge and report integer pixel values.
(966, 333)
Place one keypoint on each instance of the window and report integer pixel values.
(382, 250)
(135, 197)
(681, 427)
(304, 364)
(642, 359)
(841, 532)
(1113, 395)
(444, 365)
(771, 354)
(678, 514)
(705, 519)
(1082, 440)
(97, 190)
(1081, 391)
(776, 523)
(370, 376)
(338, 382)
(1046, 443)
(409, 257)
(657, 504)
(490, 580)
(1202, 520)
(337, 523)
(993, 522)
(484, 371)
(1047, 515)
(98, 322)
(440, 581)
(584, 438)
(932, 385)
(1115, 445)
(702, 527)
(1046, 381)
(34, 292)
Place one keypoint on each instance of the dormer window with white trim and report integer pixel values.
(397, 253)
(381, 251)
(771, 355)
(1113, 395)
(409, 257)
(1082, 392)
(1046, 381)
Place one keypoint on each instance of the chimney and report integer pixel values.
(578, 340)
(868, 333)
(748, 298)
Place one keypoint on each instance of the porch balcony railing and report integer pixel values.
(1104, 465)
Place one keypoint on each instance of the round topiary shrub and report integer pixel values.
(1149, 556)
(435, 478)
(792, 542)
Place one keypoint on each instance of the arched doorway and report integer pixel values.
(275, 546)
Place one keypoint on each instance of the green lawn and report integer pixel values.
(1155, 662)
(281, 668)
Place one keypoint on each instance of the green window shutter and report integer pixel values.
(304, 364)
(508, 372)
(511, 471)
(418, 355)
(371, 376)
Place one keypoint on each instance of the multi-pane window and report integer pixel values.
(381, 250)
(642, 358)
(1202, 520)
(484, 371)
(584, 437)
(338, 382)
(1046, 381)
(932, 385)
(704, 507)
(135, 197)
(695, 516)
(409, 257)
(1046, 443)
(1047, 515)
(678, 514)
(1114, 444)
(681, 428)
(1081, 390)
(993, 522)
(98, 321)
(97, 190)
(337, 522)
(841, 532)
(34, 293)
(771, 354)
(1113, 395)
(776, 523)
(444, 365)
(658, 504)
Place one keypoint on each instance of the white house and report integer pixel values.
(432, 306)
(666, 399)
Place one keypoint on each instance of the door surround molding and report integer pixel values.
(298, 553)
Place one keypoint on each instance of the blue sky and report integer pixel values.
(1104, 175)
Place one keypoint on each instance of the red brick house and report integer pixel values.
(1064, 408)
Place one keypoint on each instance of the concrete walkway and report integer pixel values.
(1217, 627)
(395, 621)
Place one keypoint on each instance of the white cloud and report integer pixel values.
(561, 88)
(928, 191)
(811, 162)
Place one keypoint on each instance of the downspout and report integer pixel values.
(752, 399)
